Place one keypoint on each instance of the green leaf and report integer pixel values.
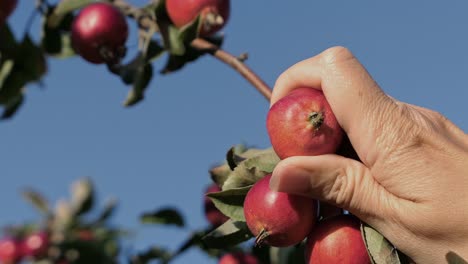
(154, 253)
(63, 8)
(454, 258)
(143, 77)
(179, 39)
(82, 196)
(177, 62)
(31, 59)
(231, 202)
(12, 106)
(287, 255)
(107, 211)
(155, 50)
(220, 173)
(56, 41)
(196, 240)
(5, 70)
(165, 216)
(8, 43)
(380, 250)
(229, 234)
(37, 200)
(233, 156)
(258, 164)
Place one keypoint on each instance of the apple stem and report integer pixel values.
(261, 237)
(316, 119)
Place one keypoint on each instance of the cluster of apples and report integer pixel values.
(100, 30)
(302, 124)
(33, 246)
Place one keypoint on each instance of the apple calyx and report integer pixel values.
(316, 119)
(260, 238)
(212, 19)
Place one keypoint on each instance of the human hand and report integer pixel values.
(411, 183)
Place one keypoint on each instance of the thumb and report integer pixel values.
(334, 179)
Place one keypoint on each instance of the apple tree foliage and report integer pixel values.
(77, 237)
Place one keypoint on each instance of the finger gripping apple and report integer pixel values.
(302, 124)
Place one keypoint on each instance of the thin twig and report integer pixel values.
(235, 63)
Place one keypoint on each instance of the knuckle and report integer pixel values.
(336, 55)
(344, 187)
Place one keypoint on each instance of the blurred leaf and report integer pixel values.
(107, 211)
(37, 200)
(287, 255)
(153, 253)
(7, 44)
(31, 60)
(196, 239)
(26, 63)
(454, 258)
(257, 164)
(63, 8)
(220, 173)
(5, 70)
(86, 252)
(63, 216)
(177, 62)
(166, 216)
(143, 77)
(379, 248)
(228, 234)
(12, 106)
(82, 196)
(155, 50)
(56, 41)
(180, 38)
(231, 202)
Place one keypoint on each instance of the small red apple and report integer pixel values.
(238, 258)
(212, 214)
(215, 13)
(337, 240)
(10, 251)
(85, 235)
(303, 124)
(35, 245)
(276, 218)
(6, 8)
(99, 33)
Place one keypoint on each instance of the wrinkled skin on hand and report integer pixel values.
(410, 181)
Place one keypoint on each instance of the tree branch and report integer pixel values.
(145, 22)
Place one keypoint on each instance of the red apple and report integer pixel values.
(337, 240)
(212, 214)
(303, 124)
(35, 245)
(10, 251)
(6, 8)
(99, 33)
(238, 258)
(276, 218)
(214, 13)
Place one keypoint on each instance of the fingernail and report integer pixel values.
(294, 180)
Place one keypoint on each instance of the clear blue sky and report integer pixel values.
(159, 152)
